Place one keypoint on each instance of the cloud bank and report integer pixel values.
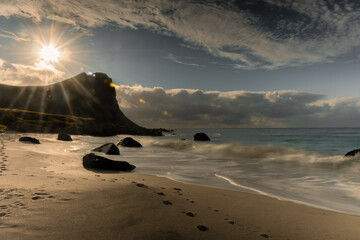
(175, 108)
(39, 73)
(255, 34)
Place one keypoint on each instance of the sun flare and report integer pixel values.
(50, 54)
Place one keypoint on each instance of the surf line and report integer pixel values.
(242, 186)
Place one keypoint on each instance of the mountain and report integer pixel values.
(84, 104)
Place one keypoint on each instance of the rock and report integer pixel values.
(352, 153)
(64, 137)
(129, 142)
(108, 148)
(93, 161)
(94, 109)
(29, 139)
(201, 137)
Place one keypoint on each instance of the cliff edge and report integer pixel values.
(84, 104)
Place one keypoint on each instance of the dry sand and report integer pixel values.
(45, 196)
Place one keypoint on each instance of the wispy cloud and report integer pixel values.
(7, 34)
(183, 60)
(265, 34)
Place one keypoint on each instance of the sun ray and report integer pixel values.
(66, 97)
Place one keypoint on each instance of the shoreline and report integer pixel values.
(135, 206)
(47, 196)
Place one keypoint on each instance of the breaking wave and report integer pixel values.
(269, 153)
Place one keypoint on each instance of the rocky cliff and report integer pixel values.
(84, 104)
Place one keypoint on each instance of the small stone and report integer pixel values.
(35, 198)
(161, 193)
(264, 236)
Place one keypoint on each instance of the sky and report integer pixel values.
(235, 63)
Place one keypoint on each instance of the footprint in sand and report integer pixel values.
(11, 199)
(189, 214)
(41, 193)
(214, 209)
(203, 228)
(66, 199)
(229, 221)
(166, 202)
(178, 191)
(4, 158)
(140, 185)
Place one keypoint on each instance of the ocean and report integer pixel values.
(306, 166)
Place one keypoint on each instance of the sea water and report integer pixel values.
(301, 165)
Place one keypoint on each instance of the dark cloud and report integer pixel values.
(255, 34)
(194, 108)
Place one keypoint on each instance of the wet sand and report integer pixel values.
(46, 196)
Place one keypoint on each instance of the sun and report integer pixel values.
(50, 54)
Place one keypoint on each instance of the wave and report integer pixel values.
(250, 189)
(269, 153)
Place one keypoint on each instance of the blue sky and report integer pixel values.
(224, 49)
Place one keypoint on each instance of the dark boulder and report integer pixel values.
(353, 153)
(64, 137)
(129, 142)
(29, 139)
(108, 148)
(201, 137)
(93, 161)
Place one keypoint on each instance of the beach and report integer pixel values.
(47, 196)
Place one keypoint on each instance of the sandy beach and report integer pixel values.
(44, 196)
